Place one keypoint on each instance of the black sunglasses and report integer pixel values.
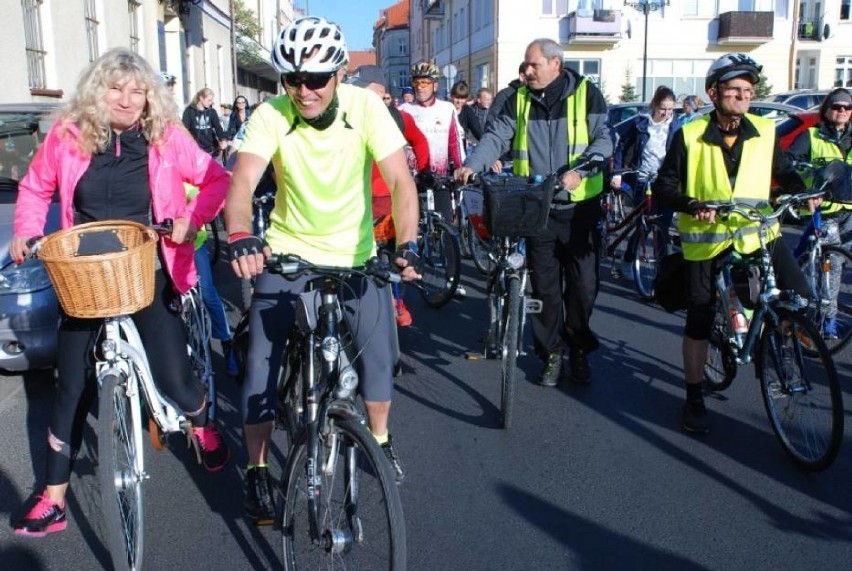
(312, 81)
(839, 107)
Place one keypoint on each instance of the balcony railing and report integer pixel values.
(433, 9)
(593, 27)
(745, 27)
(810, 29)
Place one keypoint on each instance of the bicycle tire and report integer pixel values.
(481, 254)
(199, 334)
(649, 247)
(366, 533)
(439, 251)
(464, 238)
(720, 369)
(833, 257)
(809, 389)
(509, 361)
(119, 443)
(613, 216)
(291, 387)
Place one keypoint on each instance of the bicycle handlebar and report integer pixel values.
(291, 265)
(752, 213)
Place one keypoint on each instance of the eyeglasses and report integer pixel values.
(747, 92)
(421, 82)
(838, 107)
(312, 81)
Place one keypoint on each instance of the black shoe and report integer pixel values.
(578, 361)
(552, 369)
(694, 418)
(393, 458)
(259, 503)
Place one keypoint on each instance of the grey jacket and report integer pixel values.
(546, 130)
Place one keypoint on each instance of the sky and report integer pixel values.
(356, 17)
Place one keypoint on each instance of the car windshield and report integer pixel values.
(20, 136)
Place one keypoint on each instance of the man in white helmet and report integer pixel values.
(321, 137)
(727, 155)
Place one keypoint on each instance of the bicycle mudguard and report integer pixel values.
(345, 410)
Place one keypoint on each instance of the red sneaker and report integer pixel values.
(214, 452)
(403, 316)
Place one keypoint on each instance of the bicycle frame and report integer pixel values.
(639, 214)
(509, 268)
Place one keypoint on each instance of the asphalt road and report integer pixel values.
(596, 477)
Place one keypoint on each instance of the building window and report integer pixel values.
(554, 7)
(400, 82)
(588, 68)
(401, 47)
(133, 8)
(843, 72)
(844, 9)
(34, 45)
(684, 77)
(91, 29)
(700, 8)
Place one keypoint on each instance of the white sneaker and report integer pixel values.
(461, 293)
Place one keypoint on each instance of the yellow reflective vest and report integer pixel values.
(577, 132)
(707, 180)
(822, 149)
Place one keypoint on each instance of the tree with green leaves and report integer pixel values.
(248, 31)
(763, 89)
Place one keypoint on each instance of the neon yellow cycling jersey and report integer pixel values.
(323, 209)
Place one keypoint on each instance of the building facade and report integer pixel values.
(48, 43)
(391, 39)
(801, 44)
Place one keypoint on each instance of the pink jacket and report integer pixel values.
(59, 164)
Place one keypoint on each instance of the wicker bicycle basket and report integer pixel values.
(102, 285)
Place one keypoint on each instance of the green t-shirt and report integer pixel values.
(323, 210)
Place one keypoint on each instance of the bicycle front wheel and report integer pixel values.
(649, 249)
(359, 516)
(120, 473)
(831, 303)
(480, 253)
(721, 365)
(509, 362)
(439, 249)
(801, 394)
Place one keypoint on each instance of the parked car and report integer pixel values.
(803, 99)
(768, 109)
(29, 313)
(618, 112)
(790, 128)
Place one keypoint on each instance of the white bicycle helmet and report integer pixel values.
(167, 78)
(730, 66)
(310, 45)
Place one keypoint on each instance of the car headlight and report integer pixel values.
(26, 278)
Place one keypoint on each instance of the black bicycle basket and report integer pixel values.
(516, 207)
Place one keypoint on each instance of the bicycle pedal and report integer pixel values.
(532, 305)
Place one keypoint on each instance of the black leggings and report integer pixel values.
(164, 338)
(702, 286)
(366, 308)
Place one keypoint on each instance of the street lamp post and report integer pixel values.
(646, 7)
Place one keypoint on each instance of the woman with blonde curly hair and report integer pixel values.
(118, 151)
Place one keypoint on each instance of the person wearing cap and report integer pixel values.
(725, 155)
(372, 77)
(322, 137)
(407, 94)
(830, 139)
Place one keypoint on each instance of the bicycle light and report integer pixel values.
(347, 382)
(515, 260)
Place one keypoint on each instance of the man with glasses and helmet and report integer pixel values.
(725, 155)
(321, 136)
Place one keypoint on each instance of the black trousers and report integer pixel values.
(164, 338)
(564, 263)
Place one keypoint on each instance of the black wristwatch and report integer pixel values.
(408, 246)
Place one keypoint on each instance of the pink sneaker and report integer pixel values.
(45, 517)
(214, 452)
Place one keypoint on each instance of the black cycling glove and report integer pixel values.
(246, 246)
(409, 252)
